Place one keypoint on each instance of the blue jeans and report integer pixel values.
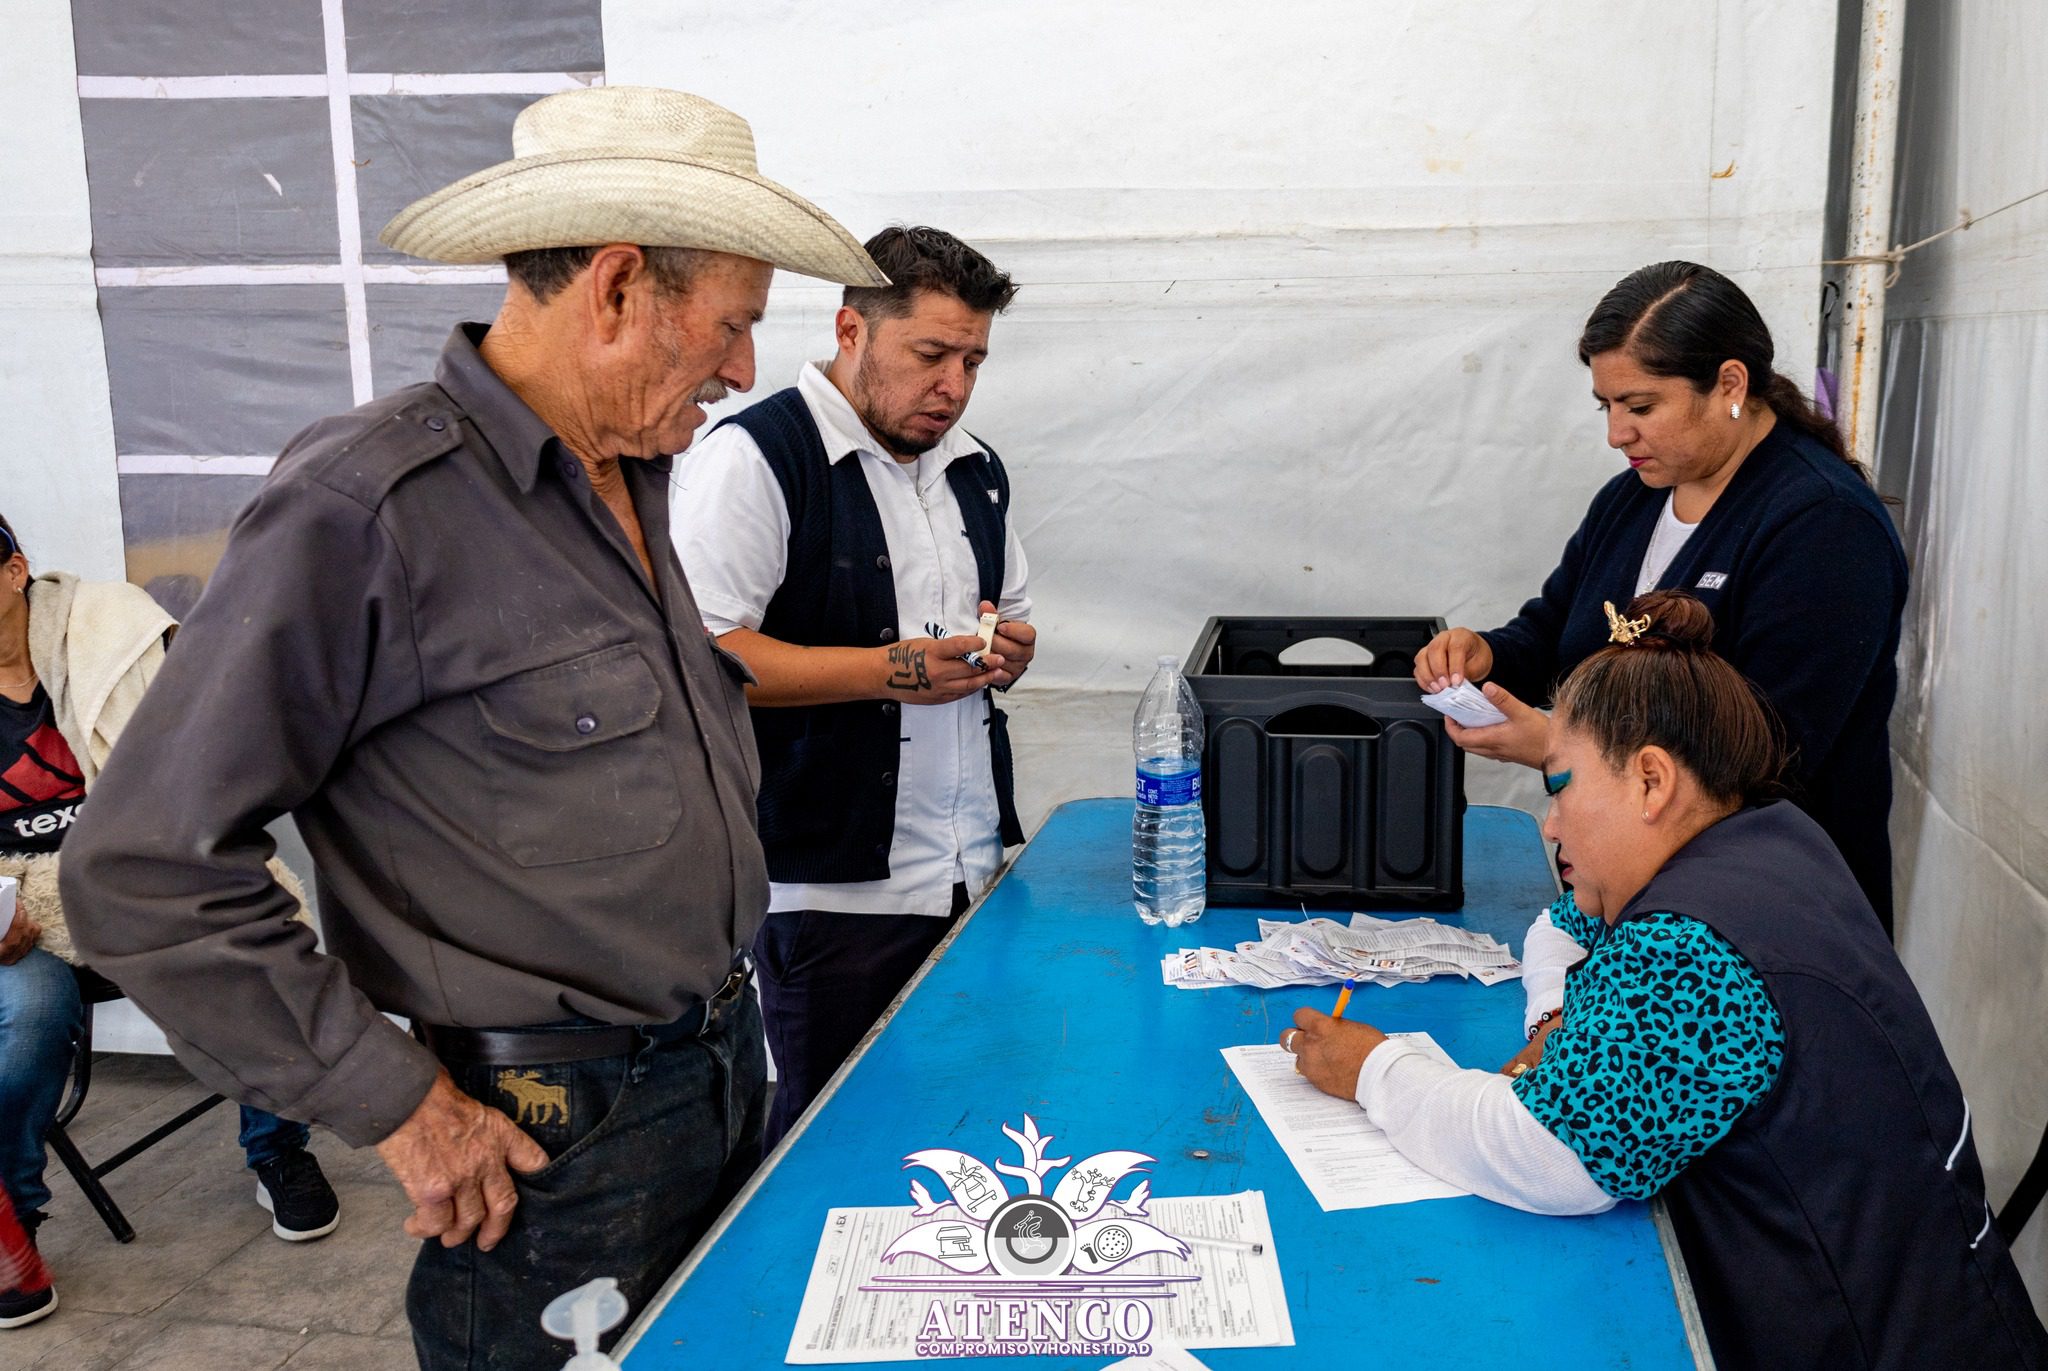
(266, 1137)
(42, 1014)
(40, 1018)
(645, 1150)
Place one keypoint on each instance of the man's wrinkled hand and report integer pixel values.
(21, 939)
(1523, 739)
(454, 1156)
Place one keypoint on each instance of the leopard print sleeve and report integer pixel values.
(1669, 1036)
(1573, 922)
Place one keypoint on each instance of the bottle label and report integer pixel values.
(1178, 788)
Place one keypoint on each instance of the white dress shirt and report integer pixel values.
(731, 529)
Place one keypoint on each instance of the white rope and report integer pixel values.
(1895, 257)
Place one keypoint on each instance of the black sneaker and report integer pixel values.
(19, 1307)
(302, 1204)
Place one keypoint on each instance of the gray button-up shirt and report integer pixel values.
(525, 774)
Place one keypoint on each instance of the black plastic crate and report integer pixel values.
(1333, 786)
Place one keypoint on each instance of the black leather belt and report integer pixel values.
(583, 1043)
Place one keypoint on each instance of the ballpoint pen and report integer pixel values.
(1343, 998)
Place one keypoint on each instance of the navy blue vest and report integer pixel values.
(828, 772)
(1842, 1222)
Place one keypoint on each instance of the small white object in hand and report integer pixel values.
(1467, 704)
(988, 630)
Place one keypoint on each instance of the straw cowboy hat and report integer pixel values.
(630, 164)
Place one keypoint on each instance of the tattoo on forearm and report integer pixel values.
(906, 669)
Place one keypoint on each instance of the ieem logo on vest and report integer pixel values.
(1028, 1274)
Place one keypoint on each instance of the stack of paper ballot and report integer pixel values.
(1325, 952)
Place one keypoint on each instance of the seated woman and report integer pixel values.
(1741, 1039)
(75, 657)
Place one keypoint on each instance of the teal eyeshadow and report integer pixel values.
(1553, 784)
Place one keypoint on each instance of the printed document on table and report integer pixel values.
(1346, 1162)
(1239, 1300)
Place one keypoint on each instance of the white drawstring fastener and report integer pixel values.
(1953, 1151)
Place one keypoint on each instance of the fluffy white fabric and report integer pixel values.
(1546, 951)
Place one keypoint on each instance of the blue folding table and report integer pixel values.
(1048, 1001)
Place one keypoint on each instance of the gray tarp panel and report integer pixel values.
(177, 182)
(197, 37)
(408, 325)
(412, 145)
(176, 527)
(465, 35)
(182, 178)
(223, 370)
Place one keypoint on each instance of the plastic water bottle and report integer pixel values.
(1168, 863)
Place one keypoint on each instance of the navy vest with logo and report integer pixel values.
(828, 772)
(1842, 1222)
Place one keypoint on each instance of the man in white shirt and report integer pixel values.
(843, 538)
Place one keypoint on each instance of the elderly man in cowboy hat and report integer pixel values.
(452, 639)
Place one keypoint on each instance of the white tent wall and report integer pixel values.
(1966, 404)
(57, 466)
(1300, 296)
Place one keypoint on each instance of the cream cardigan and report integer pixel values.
(96, 645)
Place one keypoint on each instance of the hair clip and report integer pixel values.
(1623, 631)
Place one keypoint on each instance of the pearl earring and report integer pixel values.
(1735, 411)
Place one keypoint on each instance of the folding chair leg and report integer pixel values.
(89, 1185)
(156, 1135)
(2026, 1196)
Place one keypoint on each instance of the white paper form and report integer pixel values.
(1346, 1162)
(1239, 1300)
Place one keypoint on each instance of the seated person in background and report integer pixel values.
(1741, 1038)
(75, 658)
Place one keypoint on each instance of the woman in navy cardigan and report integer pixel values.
(1741, 493)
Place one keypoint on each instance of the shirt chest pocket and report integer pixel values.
(577, 770)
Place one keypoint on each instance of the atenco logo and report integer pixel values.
(54, 821)
(1030, 1274)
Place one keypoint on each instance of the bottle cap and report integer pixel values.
(1170, 660)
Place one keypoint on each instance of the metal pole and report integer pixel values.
(1873, 155)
